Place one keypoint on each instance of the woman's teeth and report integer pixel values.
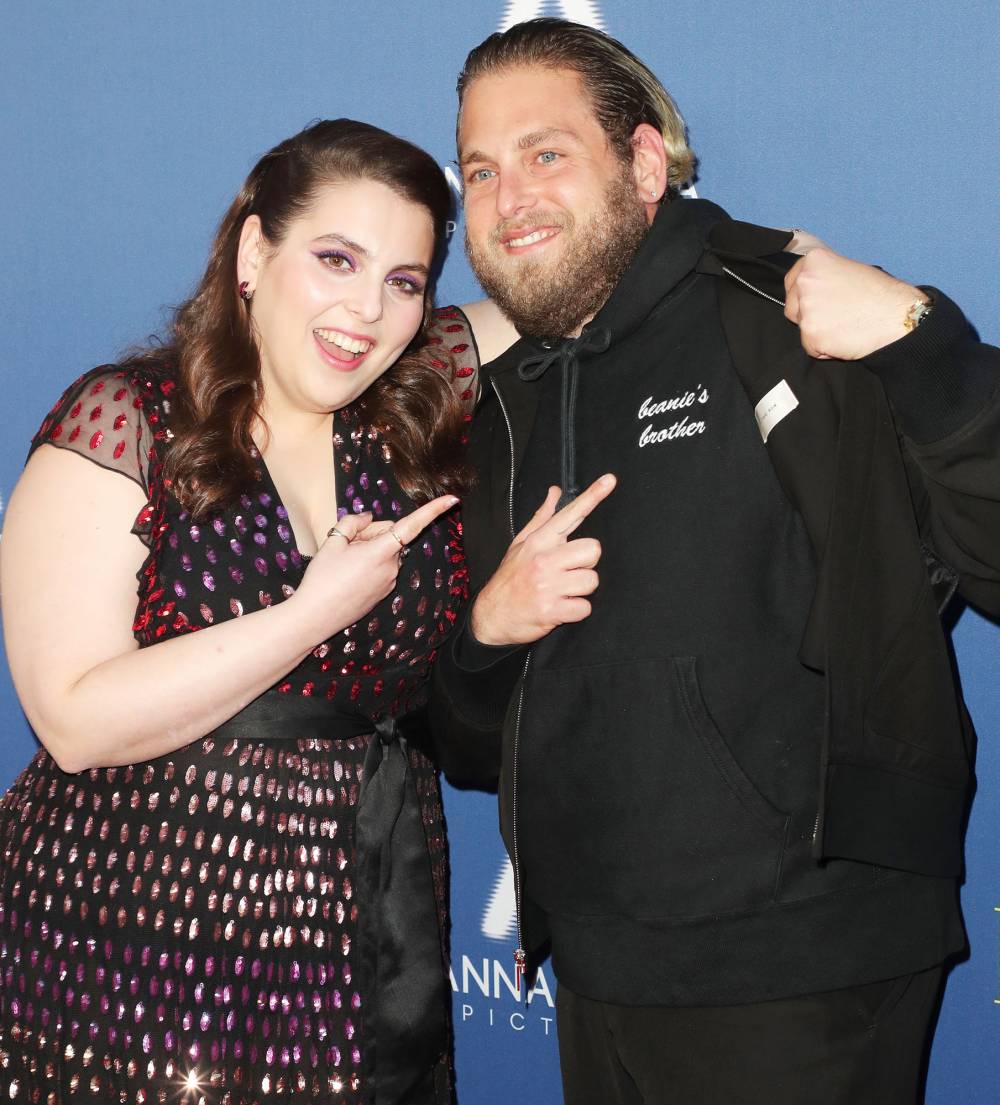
(342, 341)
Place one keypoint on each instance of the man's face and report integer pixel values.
(552, 214)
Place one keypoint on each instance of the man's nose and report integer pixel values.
(515, 193)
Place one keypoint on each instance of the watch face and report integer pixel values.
(916, 314)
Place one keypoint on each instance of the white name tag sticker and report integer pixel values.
(779, 402)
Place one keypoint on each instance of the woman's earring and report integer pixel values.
(245, 294)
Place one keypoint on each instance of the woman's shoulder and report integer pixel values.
(492, 332)
(123, 387)
(451, 347)
(113, 414)
(449, 331)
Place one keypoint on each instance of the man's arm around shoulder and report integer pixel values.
(944, 389)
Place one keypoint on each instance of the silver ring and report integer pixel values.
(334, 532)
(392, 530)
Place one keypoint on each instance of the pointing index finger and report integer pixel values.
(411, 525)
(571, 515)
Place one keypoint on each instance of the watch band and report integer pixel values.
(917, 312)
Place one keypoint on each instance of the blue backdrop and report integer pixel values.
(126, 128)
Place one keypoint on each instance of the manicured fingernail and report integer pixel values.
(607, 480)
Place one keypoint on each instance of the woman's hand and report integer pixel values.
(68, 578)
(357, 565)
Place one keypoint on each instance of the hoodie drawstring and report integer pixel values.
(566, 354)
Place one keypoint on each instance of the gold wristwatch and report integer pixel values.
(918, 311)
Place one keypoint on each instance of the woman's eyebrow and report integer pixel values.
(414, 266)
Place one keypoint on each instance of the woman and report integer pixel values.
(223, 873)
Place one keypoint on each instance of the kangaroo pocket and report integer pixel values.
(630, 802)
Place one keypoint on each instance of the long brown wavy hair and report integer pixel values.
(211, 352)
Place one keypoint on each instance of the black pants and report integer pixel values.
(864, 1045)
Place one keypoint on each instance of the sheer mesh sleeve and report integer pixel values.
(451, 344)
(102, 417)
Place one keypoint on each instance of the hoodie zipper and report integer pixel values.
(817, 848)
(747, 284)
(510, 440)
(519, 953)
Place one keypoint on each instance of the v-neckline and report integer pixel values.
(279, 503)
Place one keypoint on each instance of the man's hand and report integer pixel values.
(542, 581)
(845, 309)
(803, 242)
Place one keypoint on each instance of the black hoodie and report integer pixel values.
(667, 761)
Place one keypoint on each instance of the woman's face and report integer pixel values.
(340, 297)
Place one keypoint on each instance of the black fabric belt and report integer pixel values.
(399, 949)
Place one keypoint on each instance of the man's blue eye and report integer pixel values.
(547, 157)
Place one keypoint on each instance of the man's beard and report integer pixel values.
(552, 300)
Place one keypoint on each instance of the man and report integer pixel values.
(734, 774)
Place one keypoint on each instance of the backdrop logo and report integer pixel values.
(579, 11)
(499, 918)
(456, 187)
(482, 978)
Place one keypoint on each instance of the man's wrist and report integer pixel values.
(918, 310)
(475, 655)
(479, 628)
(906, 302)
(933, 377)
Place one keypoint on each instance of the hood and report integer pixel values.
(672, 249)
(687, 236)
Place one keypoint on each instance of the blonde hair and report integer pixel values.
(623, 90)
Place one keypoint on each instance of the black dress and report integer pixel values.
(192, 928)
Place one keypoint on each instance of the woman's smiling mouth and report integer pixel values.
(344, 351)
